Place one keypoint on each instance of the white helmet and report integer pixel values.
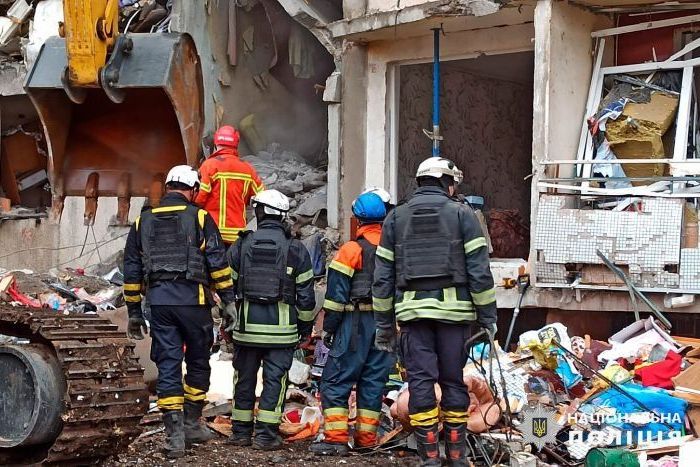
(381, 192)
(183, 174)
(437, 167)
(275, 202)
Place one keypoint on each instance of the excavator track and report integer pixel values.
(105, 395)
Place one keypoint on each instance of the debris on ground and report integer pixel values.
(64, 290)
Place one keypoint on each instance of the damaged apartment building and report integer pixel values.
(575, 123)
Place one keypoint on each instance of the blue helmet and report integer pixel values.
(369, 207)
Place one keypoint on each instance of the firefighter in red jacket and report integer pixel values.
(227, 185)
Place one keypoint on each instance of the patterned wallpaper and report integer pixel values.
(487, 125)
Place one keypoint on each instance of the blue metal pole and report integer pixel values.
(436, 92)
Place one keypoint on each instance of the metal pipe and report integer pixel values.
(436, 92)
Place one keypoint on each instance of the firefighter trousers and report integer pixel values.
(181, 332)
(353, 360)
(276, 363)
(433, 352)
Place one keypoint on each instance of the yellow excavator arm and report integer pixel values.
(90, 30)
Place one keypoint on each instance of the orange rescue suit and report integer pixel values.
(226, 187)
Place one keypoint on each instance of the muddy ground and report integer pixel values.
(146, 451)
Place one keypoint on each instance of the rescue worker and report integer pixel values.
(432, 277)
(274, 282)
(228, 184)
(349, 330)
(174, 252)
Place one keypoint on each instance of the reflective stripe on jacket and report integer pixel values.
(340, 273)
(227, 185)
(178, 291)
(277, 324)
(476, 300)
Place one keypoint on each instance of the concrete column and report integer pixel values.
(563, 67)
(353, 131)
(335, 113)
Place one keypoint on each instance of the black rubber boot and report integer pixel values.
(174, 421)
(456, 444)
(267, 437)
(427, 443)
(195, 431)
(324, 448)
(241, 434)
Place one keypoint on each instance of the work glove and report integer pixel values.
(385, 339)
(230, 316)
(327, 338)
(490, 328)
(137, 328)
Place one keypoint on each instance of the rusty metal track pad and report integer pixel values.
(105, 397)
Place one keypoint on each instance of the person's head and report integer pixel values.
(369, 208)
(226, 137)
(439, 172)
(183, 179)
(270, 204)
(384, 195)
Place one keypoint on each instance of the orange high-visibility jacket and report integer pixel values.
(227, 185)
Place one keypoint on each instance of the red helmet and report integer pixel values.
(227, 136)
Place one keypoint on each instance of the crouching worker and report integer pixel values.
(273, 276)
(349, 330)
(176, 251)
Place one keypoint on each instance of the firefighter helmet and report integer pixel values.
(437, 167)
(369, 207)
(381, 192)
(183, 174)
(275, 203)
(227, 136)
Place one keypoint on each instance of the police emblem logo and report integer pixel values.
(539, 425)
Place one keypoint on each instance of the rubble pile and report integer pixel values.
(553, 399)
(290, 174)
(632, 397)
(307, 188)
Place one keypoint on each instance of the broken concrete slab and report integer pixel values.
(314, 203)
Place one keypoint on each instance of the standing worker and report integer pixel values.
(274, 278)
(349, 330)
(432, 277)
(175, 252)
(228, 184)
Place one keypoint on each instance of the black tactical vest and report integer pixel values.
(429, 245)
(263, 276)
(171, 245)
(361, 288)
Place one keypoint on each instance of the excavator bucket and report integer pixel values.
(119, 139)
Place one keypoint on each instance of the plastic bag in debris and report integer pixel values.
(556, 331)
(320, 358)
(298, 425)
(604, 153)
(553, 358)
(635, 422)
(313, 245)
(299, 373)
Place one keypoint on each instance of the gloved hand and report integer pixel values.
(327, 338)
(491, 328)
(385, 339)
(137, 327)
(230, 316)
